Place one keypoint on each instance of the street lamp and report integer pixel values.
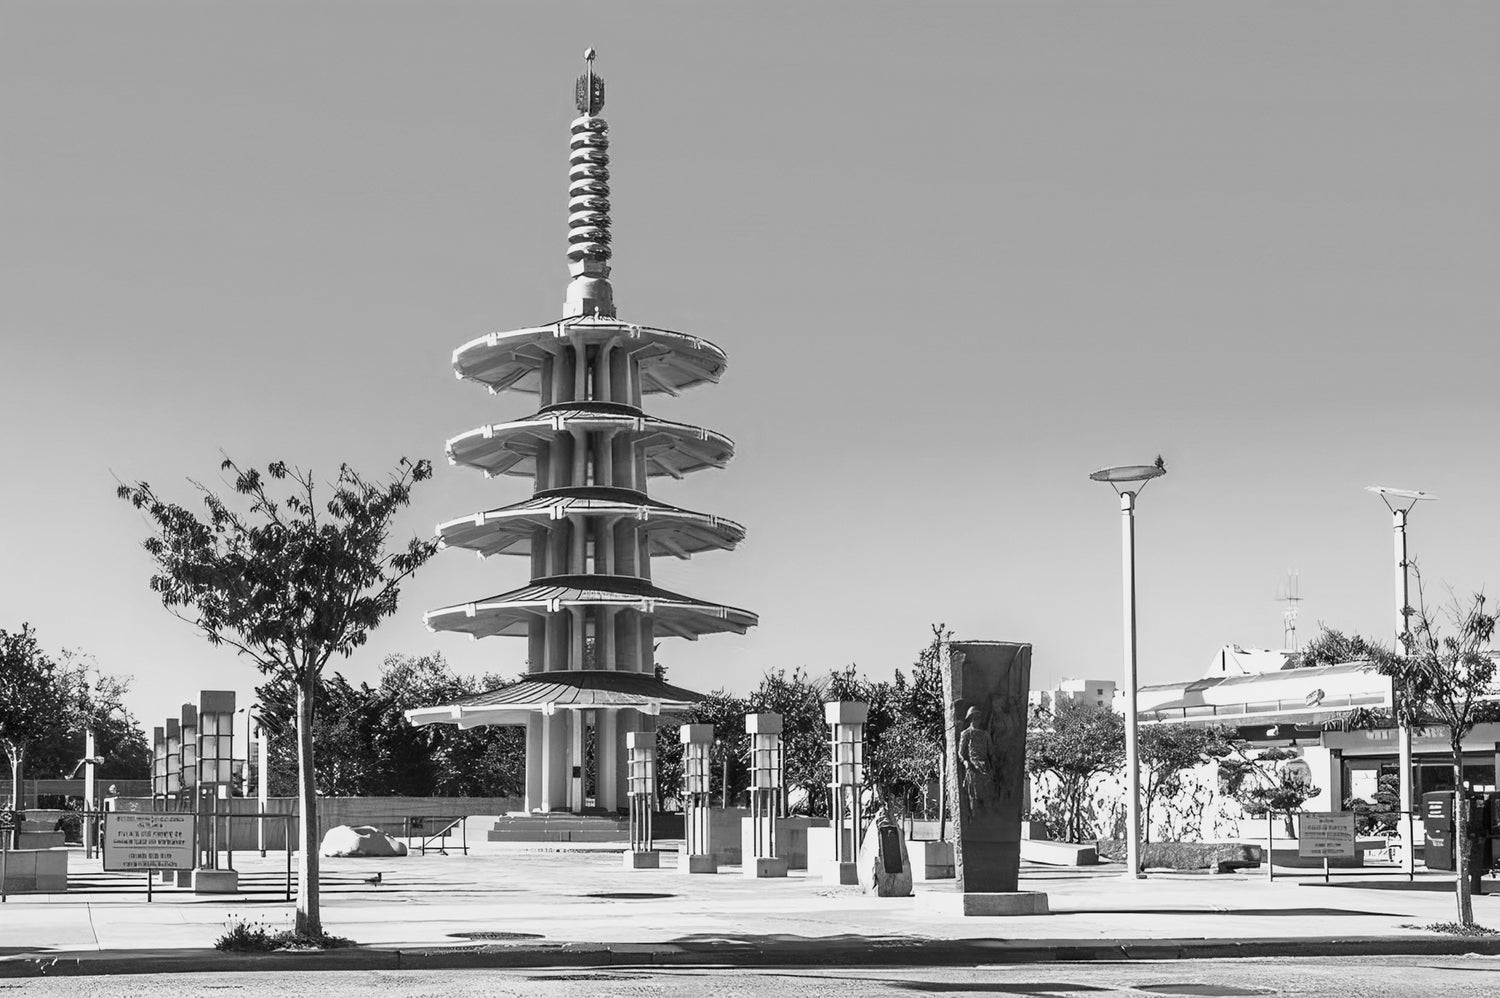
(1400, 502)
(1129, 481)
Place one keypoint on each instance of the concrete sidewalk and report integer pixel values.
(516, 906)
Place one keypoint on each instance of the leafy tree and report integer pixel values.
(289, 583)
(903, 763)
(1168, 751)
(1378, 815)
(36, 700)
(922, 701)
(1440, 679)
(804, 739)
(1334, 647)
(99, 703)
(1075, 741)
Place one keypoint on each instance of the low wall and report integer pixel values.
(241, 831)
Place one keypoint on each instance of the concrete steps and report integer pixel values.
(561, 826)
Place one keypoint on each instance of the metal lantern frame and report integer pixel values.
(172, 771)
(158, 764)
(696, 768)
(187, 763)
(641, 784)
(846, 743)
(767, 791)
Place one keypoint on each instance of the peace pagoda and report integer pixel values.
(590, 615)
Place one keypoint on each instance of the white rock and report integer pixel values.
(360, 840)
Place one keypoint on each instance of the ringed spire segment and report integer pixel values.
(589, 291)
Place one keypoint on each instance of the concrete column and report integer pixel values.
(647, 644)
(580, 458)
(625, 546)
(580, 370)
(619, 376)
(578, 545)
(575, 758)
(604, 459)
(536, 644)
(603, 383)
(604, 546)
(559, 376)
(535, 752)
(575, 639)
(606, 652)
(549, 763)
(607, 761)
(560, 463)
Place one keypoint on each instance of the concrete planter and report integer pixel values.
(36, 871)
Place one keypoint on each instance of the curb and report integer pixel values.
(808, 953)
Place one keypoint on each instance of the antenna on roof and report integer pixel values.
(1289, 595)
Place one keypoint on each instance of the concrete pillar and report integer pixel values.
(555, 771)
(536, 644)
(607, 749)
(647, 644)
(606, 651)
(580, 458)
(535, 750)
(575, 758)
(575, 637)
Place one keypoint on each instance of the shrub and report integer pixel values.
(244, 936)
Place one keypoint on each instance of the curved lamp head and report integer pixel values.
(1399, 499)
(1129, 475)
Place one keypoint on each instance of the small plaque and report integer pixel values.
(890, 848)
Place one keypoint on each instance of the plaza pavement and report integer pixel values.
(534, 906)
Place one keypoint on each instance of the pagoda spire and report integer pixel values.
(589, 290)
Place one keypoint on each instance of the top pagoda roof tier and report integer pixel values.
(669, 362)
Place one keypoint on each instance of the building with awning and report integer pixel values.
(589, 613)
(1335, 718)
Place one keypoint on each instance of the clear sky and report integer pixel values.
(960, 255)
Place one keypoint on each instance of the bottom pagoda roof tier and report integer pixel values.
(511, 614)
(547, 692)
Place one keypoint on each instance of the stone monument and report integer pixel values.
(984, 692)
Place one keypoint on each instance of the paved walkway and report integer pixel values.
(507, 905)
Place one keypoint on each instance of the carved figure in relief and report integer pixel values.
(976, 759)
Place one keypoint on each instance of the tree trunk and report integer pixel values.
(1146, 813)
(309, 919)
(1461, 838)
(17, 755)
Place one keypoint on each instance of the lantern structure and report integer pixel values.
(158, 766)
(846, 738)
(215, 765)
(765, 796)
(696, 856)
(173, 762)
(187, 762)
(641, 790)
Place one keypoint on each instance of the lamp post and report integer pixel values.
(1400, 502)
(1133, 478)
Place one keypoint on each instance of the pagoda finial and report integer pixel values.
(589, 292)
(590, 88)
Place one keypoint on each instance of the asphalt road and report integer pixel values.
(1346, 978)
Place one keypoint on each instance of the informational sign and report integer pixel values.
(146, 840)
(10, 820)
(1327, 836)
